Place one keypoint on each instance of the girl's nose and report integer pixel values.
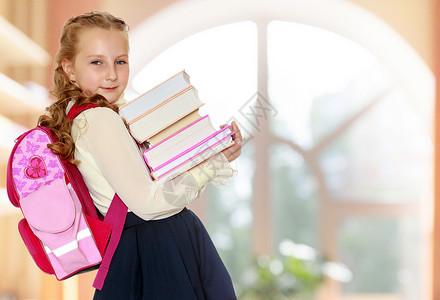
(111, 73)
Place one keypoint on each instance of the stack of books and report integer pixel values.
(168, 120)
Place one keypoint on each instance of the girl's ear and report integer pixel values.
(66, 64)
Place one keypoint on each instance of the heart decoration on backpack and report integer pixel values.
(36, 169)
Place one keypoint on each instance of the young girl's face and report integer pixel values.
(101, 63)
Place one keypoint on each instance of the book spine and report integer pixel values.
(162, 103)
(142, 136)
(174, 163)
(185, 76)
(176, 133)
(197, 159)
(193, 147)
(181, 122)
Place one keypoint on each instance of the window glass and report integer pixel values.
(384, 156)
(350, 135)
(305, 64)
(222, 64)
(295, 202)
(383, 254)
(229, 219)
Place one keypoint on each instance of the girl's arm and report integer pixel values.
(105, 137)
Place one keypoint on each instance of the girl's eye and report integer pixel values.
(120, 62)
(96, 62)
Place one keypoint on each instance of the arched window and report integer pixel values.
(338, 152)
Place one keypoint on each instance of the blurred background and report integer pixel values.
(336, 192)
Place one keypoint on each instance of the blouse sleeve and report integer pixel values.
(120, 162)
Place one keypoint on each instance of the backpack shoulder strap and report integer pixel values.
(115, 216)
(76, 110)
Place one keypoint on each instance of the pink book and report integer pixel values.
(176, 167)
(192, 151)
(183, 139)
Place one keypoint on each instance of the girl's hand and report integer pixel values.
(234, 151)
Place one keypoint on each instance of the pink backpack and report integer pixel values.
(61, 227)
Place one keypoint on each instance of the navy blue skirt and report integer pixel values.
(168, 259)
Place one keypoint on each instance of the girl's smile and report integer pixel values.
(109, 88)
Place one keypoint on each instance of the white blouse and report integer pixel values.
(110, 162)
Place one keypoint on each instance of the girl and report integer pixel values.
(164, 251)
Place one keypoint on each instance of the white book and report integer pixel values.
(163, 115)
(155, 96)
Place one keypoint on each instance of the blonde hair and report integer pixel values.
(64, 90)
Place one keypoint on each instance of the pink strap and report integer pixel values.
(115, 216)
(76, 110)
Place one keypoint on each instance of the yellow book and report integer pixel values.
(172, 129)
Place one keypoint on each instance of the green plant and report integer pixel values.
(297, 272)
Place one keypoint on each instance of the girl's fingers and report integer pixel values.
(234, 151)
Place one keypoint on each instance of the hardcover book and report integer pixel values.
(156, 119)
(199, 134)
(173, 128)
(161, 92)
(191, 158)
